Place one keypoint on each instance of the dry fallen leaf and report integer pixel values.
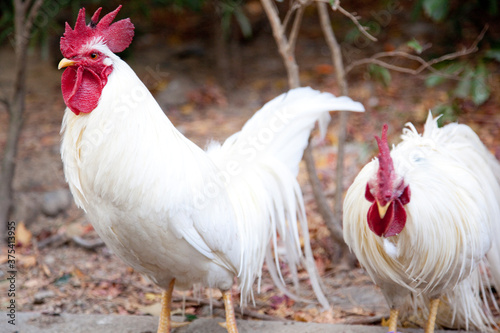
(46, 270)
(3, 257)
(33, 283)
(153, 309)
(151, 296)
(75, 229)
(23, 235)
(324, 69)
(26, 261)
(214, 293)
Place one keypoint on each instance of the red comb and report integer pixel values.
(116, 36)
(386, 166)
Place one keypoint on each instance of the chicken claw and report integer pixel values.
(393, 320)
(166, 323)
(230, 324)
(429, 328)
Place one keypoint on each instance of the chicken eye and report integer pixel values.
(93, 55)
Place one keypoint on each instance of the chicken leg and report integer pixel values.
(230, 323)
(165, 324)
(429, 328)
(393, 320)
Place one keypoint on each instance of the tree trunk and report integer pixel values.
(284, 47)
(338, 64)
(16, 108)
(24, 15)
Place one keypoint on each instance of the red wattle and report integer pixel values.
(81, 89)
(375, 223)
(393, 222)
(398, 220)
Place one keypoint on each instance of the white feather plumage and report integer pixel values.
(452, 228)
(172, 210)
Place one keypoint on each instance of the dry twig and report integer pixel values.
(218, 304)
(89, 245)
(364, 320)
(59, 239)
(424, 65)
(352, 16)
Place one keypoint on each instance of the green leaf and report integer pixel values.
(451, 68)
(232, 8)
(464, 85)
(436, 9)
(448, 113)
(493, 54)
(352, 35)
(415, 45)
(455, 67)
(480, 91)
(379, 73)
(244, 23)
(63, 279)
(191, 317)
(434, 80)
(493, 7)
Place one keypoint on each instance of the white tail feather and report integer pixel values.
(264, 159)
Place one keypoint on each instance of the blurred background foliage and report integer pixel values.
(227, 23)
(456, 17)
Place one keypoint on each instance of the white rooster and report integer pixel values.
(424, 221)
(177, 213)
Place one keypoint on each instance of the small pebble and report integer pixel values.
(40, 296)
(55, 202)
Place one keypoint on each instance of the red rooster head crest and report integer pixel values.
(117, 36)
(385, 174)
(388, 195)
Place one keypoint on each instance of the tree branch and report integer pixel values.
(5, 102)
(355, 19)
(333, 220)
(33, 12)
(288, 15)
(323, 207)
(295, 29)
(283, 44)
(287, 54)
(334, 47)
(424, 65)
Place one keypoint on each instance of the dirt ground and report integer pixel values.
(58, 275)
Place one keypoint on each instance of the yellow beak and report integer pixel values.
(382, 210)
(65, 63)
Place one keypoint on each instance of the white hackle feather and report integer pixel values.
(172, 210)
(450, 240)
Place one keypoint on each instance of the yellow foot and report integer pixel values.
(230, 329)
(165, 322)
(393, 320)
(177, 324)
(429, 328)
(230, 324)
